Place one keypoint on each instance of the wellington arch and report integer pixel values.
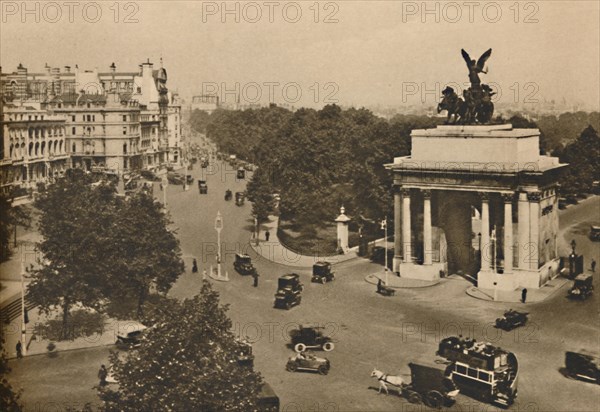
(477, 200)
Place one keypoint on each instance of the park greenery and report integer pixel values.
(187, 362)
(9, 396)
(10, 218)
(318, 160)
(99, 247)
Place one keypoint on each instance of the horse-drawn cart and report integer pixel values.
(429, 385)
(385, 290)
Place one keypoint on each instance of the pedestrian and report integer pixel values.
(19, 350)
(593, 265)
(255, 276)
(194, 266)
(524, 295)
(102, 375)
(161, 187)
(267, 235)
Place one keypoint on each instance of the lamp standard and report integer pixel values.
(218, 228)
(256, 229)
(384, 227)
(23, 325)
(165, 183)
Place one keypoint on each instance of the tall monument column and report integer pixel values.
(427, 243)
(486, 254)
(406, 236)
(508, 232)
(534, 231)
(397, 228)
(523, 228)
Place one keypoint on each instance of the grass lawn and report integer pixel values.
(311, 240)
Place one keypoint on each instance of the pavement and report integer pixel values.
(514, 296)
(398, 282)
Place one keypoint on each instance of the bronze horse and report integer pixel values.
(457, 108)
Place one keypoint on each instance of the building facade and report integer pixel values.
(121, 121)
(493, 172)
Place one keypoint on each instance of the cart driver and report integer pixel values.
(300, 356)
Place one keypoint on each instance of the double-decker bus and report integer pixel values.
(481, 370)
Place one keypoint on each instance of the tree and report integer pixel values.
(76, 221)
(9, 397)
(144, 252)
(583, 156)
(10, 218)
(187, 362)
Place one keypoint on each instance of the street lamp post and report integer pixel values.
(165, 183)
(256, 229)
(218, 228)
(384, 227)
(23, 325)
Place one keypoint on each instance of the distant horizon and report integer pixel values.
(356, 54)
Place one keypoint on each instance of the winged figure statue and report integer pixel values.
(476, 67)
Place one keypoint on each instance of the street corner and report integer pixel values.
(392, 280)
(516, 296)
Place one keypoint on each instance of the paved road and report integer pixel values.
(370, 330)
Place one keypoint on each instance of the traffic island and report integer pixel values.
(398, 282)
(515, 296)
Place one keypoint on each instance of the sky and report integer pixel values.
(307, 53)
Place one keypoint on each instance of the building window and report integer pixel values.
(74, 148)
(59, 105)
(73, 131)
(73, 118)
(124, 148)
(93, 118)
(124, 130)
(89, 105)
(124, 117)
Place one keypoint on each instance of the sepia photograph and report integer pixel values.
(299, 206)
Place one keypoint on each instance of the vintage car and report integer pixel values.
(204, 162)
(583, 365)
(241, 173)
(243, 264)
(511, 319)
(245, 356)
(385, 290)
(239, 198)
(228, 195)
(378, 256)
(189, 179)
(289, 291)
(307, 362)
(582, 286)
(130, 335)
(202, 187)
(267, 401)
(149, 175)
(175, 178)
(311, 337)
(322, 272)
(595, 233)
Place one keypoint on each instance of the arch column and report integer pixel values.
(406, 235)
(427, 239)
(534, 231)
(508, 232)
(397, 228)
(523, 231)
(486, 255)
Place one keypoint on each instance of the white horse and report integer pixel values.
(384, 378)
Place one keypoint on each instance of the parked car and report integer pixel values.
(308, 362)
(571, 199)
(189, 179)
(583, 365)
(131, 336)
(311, 337)
(511, 320)
(241, 173)
(245, 356)
(175, 178)
(203, 187)
(595, 233)
(582, 286)
(228, 195)
(243, 264)
(149, 175)
(268, 401)
(562, 203)
(240, 197)
(289, 291)
(378, 256)
(322, 272)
